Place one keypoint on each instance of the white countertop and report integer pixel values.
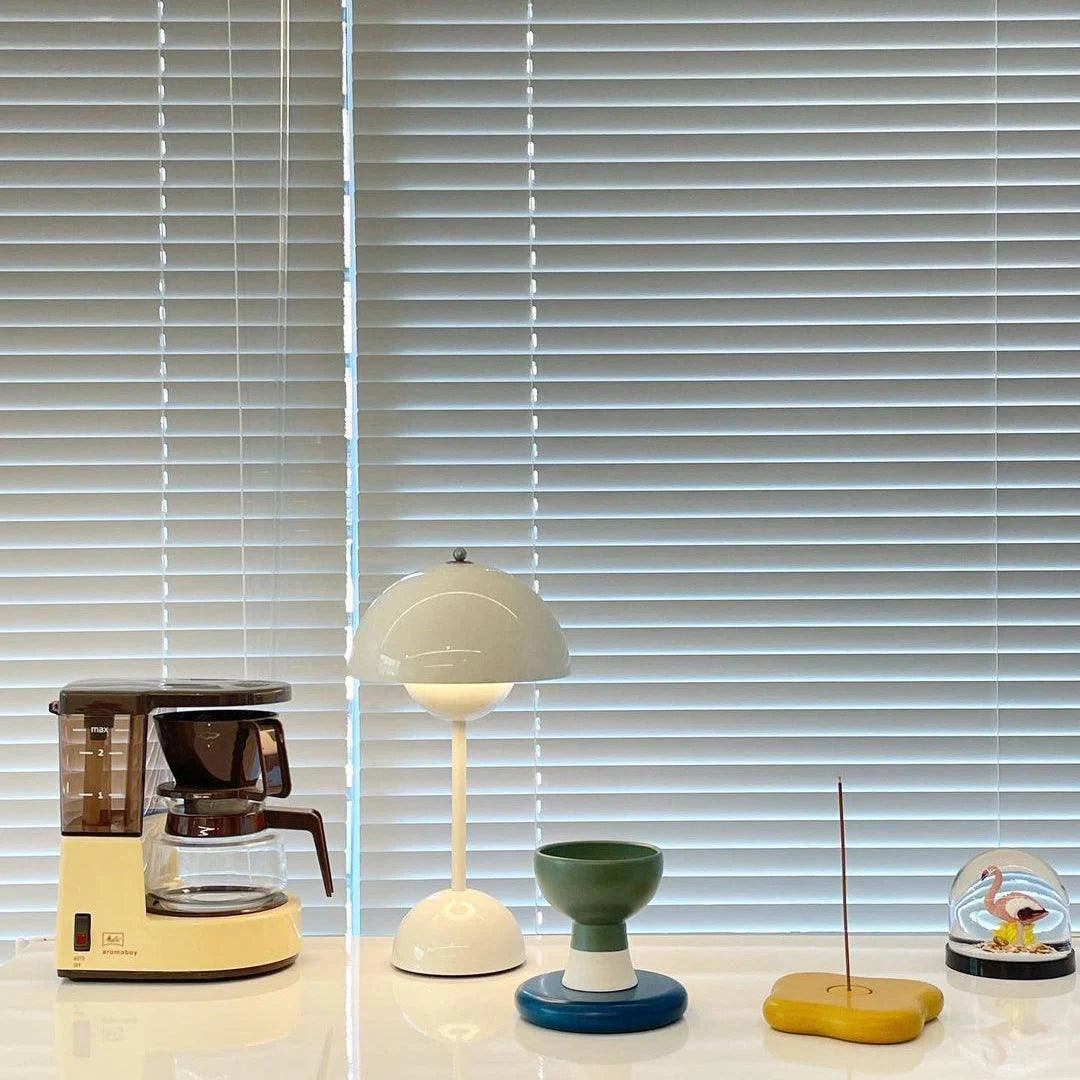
(342, 1011)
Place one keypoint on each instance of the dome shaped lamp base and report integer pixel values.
(458, 932)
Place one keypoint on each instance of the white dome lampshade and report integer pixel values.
(458, 636)
(459, 623)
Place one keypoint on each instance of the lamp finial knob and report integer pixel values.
(460, 555)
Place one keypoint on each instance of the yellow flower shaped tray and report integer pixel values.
(872, 1011)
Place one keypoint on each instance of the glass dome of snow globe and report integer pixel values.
(1009, 918)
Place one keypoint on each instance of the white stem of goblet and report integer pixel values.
(599, 972)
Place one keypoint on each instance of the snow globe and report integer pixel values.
(1009, 918)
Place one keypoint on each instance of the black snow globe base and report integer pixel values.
(1009, 919)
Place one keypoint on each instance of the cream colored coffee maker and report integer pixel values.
(188, 883)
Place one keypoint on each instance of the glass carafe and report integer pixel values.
(215, 856)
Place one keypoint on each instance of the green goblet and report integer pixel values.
(599, 884)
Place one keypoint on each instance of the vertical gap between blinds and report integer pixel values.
(354, 923)
(996, 466)
(163, 359)
(534, 423)
(236, 335)
(280, 496)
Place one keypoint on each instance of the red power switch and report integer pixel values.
(82, 932)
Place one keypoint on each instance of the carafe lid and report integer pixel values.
(137, 697)
(223, 815)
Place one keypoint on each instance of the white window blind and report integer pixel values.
(799, 284)
(167, 479)
(443, 420)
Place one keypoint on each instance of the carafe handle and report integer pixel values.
(309, 821)
(272, 758)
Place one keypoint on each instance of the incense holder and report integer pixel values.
(854, 1010)
(872, 1011)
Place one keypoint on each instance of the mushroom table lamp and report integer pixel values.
(458, 636)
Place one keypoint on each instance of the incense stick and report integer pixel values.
(843, 880)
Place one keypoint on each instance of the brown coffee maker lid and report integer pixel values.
(138, 697)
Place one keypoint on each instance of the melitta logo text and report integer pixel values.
(112, 944)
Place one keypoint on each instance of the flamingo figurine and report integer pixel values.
(1017, 911)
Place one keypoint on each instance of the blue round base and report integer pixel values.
(655, 1002)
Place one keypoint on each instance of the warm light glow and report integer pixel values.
(458, 701)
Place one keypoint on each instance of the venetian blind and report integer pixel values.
(799, 286)
(171, 486)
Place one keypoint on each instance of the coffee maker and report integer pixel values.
(186, 881)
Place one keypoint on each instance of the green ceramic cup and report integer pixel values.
(599, 884)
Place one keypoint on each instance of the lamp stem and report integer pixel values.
(458, 774)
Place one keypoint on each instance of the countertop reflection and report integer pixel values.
(342, 1011)
(291, 1023)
